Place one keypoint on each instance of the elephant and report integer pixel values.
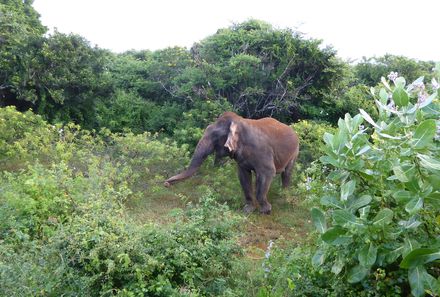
(264, 146)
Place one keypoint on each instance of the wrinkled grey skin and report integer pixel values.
(265, 147)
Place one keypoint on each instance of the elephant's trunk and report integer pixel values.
(204, 148)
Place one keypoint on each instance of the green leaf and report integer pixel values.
(420, 256)
(403, 173)
(364, 211)
(338, 265)
(331, 201)
(356, 203)
(318, 258)
(416, 280)
(339, 175)
(385, 83)
(347, 189)
(383, 217)
(357, 273)
(367, 256)
(402, 196)
(342, 217)
(429, 162)
(432, 285)
(412, 223)
(383, 95)
(318, 219)
(329, 160)
(328, 138)
(368, 118)
(335, 236)
(433, 199)
(409, 245)
(424, 134)
(414, 205)
(363, 150)
(400, 97)
(400, 82)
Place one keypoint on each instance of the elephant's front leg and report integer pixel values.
(264, 180)
(245, 177)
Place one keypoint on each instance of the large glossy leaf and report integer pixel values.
(343, 216)
(318, 258)
(409, 245)
(338, 265)
(368, 118)
(403, 173)
(412, 223)
(431, 284)
(318, 219)
(424, 134)
(329, 160)
(416, 280)
(335, 236)
(356, 203)
(414, 205)
(367, 255)
(331, 201)
(429, 162)
(400, 97)
(363, 150)
(357, 273)
(433, 199)
(328, 138)
(383, 217)
(383, 95)
(402, 196)
(347, 189)
(419, 257)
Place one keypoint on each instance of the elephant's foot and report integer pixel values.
(266, 209)
(248, 208)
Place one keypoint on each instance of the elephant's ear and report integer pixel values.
(231, 142)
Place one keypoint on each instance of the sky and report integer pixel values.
(354, 28)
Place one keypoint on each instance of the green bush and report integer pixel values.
(64, 228)
(194, 121)
(380, 217)
(310, 135)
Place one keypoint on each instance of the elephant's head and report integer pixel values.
(219, 138)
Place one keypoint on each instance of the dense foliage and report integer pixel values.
(64, 228)
(376, 203)
(251, 68)
(81, 195)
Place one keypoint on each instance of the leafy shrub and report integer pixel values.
(194, 122)
(379, 216)
(22, 135)
(310, 136)
(64, 229)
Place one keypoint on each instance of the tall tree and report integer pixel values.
(264, 71)
(21, 35)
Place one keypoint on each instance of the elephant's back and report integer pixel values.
(281, 138)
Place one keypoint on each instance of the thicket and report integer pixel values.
(251, 68)
(64, 228)
(69, 174)
(375, 196)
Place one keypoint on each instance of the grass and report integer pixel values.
(289, 222)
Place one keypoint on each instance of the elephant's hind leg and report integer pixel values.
(287, 173)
